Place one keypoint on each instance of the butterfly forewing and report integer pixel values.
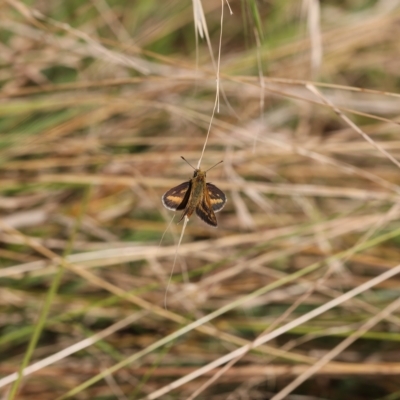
(217, 197)
(177, 197)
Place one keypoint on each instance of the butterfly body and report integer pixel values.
(197, 196)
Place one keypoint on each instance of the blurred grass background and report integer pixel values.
(98, 101)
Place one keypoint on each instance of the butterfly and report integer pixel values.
(196, 195)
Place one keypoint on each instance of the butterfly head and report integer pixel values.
(199, 174)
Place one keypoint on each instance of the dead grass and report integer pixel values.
(98, 102)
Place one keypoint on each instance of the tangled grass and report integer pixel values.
(295, 295)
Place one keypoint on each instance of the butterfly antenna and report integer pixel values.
(215, 165)
(184, 159)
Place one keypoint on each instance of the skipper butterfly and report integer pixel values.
(196, 195)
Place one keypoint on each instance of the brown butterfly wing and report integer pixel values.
(204, 211)
(177, 197)
(217, 197)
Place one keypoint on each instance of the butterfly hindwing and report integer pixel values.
(205, 212)
(217, 197)
(177, 197)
